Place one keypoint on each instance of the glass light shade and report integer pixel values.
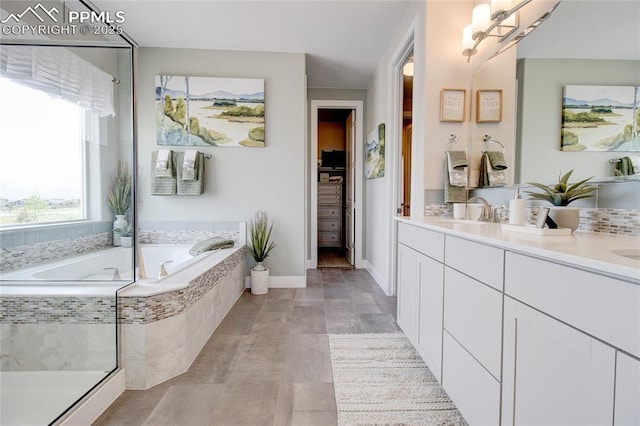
(467, 40)
(481, 17)
(408, 69)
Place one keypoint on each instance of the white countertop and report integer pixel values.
(585, 250)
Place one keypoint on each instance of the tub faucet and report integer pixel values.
(487, 213)
(163, 271)
(116, 273)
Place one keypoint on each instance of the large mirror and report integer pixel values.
(581, 43)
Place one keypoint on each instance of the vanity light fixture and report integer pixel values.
(498, 19)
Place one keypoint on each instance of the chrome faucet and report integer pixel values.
(487, 213)
(163, 271)
(116, 273)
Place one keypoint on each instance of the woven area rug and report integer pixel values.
(381, 379)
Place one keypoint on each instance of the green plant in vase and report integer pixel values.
(260, 237)
(562, 193)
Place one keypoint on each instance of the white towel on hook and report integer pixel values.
(162, 163)
(189, 171)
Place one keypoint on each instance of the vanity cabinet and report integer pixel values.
(553, 373)
(420, 291)
(566, 332)
(627, 403)
(518, 339)
(473, 328)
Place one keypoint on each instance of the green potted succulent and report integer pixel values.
(119, 200)
(126, 236)
(261, 247)
(561, 195)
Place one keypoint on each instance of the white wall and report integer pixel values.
(540, 114)
(238, 181)
(438, 63)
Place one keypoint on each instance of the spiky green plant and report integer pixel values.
(561, 194)
(260, 235)
(119, 198)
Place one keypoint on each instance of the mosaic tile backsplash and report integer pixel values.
(610, 221)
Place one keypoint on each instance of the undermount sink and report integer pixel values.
(628, 253)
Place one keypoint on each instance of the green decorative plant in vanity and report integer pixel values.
(561, 195)
(261, 246)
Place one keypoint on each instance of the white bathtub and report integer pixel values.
(79, 269)
(181, 267)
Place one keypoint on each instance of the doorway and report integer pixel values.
(407, 128)
(336, 184)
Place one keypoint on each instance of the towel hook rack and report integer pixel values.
(615, 160)
(489, 140)
(453, 139)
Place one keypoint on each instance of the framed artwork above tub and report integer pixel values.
(210, 111)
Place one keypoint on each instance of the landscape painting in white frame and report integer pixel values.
(601, 118)
(209, 111)
(374, 153)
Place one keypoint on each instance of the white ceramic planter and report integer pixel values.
(565, 217)
(259, 281)
(126, 241)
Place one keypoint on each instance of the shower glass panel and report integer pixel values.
(66, 128)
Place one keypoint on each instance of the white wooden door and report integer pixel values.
(349, 213)
(553, 374)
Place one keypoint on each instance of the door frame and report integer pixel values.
(407, 47)
(358, 106)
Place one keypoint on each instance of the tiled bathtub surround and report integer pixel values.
(57, 333)
(20, 248)
(144, 310)
(162, 334)
(179, 232)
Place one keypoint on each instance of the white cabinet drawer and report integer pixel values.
(328, 239)
(329, 225)
(329, 212)
(426, 242)
(482, 262)
(474, 391)
(329, 189)
(329, 199)
(604, 307)
(627, 390)
(473, 315)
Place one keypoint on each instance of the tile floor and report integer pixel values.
(268, 362)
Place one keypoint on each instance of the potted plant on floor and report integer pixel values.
(119, 201)
(261, 246)
(560, 196)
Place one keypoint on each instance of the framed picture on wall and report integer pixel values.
(489, 106)
(452, 105)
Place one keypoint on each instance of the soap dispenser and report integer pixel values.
(517, 210)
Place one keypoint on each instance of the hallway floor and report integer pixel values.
(268, 362)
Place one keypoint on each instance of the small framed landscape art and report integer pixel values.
(489, 106)
(600, 118)
(374, 153)
(452, 105)
(210, 111)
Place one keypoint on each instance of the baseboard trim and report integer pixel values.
(377, 276)
(97, 402)
(282, 281)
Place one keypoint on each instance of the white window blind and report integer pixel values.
(60, 73)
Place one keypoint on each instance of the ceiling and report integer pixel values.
(344, 39)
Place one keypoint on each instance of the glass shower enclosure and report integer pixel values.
(66, 146)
